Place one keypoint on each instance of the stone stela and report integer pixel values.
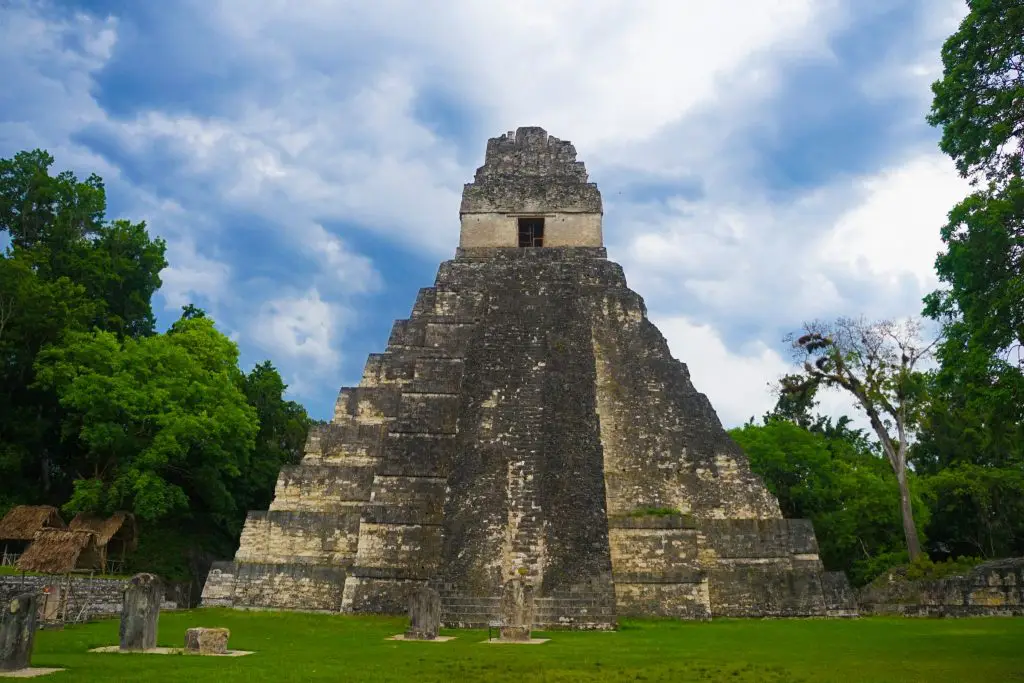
(424, 614)
(516, 611)
(18, 632)
(528, 420)
(140, 612)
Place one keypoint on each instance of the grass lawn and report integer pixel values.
(312, 647)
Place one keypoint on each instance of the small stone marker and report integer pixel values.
(18, 632)
(140, 611)
(516, 610)
(424, 614)
(51, 602)
(207, 641)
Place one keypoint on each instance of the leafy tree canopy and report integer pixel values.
(163, 421)
(979, 101)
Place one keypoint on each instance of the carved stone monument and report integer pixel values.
(140, 612)
(516, 610)
(18, 632)
(207, 641)
(528, 415)
(424, 614)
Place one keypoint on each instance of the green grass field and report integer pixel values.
(308, 647)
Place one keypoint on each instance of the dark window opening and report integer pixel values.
(531, 232)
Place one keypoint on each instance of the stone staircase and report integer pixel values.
(400, 526)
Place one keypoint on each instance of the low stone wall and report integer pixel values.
(99, 597)
(991, 589)
(86, 597)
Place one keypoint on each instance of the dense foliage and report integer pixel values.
(972, 444)
(98, 411)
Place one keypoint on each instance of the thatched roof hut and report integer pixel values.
(57, 551)
(120, 526)
(24, 521)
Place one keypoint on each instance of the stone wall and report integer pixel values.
(274, 586)
(502, 230)
(993, 588)
(97, 597)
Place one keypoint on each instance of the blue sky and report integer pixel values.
(762, 164)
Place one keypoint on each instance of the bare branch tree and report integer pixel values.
(878, 364)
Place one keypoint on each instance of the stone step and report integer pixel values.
(299, 537)
(367, 404)
(283, 586)
(322, 488)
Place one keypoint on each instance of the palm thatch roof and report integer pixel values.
(120, 524)
(56, 551)
(23, 521)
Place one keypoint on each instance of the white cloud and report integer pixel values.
(49, 66)
(339, 264)
(863, 246)
(191, 277)
(894, 232)
(326, 139)
(301, 330)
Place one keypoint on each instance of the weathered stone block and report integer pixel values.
(140, 612)
(219, 588)
(18, 632)
(517, 610)
(207, 641)
(424, 614)
(295, 586)
(994, 588)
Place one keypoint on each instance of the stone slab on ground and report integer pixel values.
(531, 641)
(435, 639)
(171, 651)
(30, 672)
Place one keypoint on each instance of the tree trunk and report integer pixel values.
(909, 529)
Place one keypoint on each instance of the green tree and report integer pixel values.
(66, 270)
(979, 101)
(983, 268)
(836, 478)
(283, 426)
(796, 399)
(877, 365)
(57, 224)
(48, 214)
(972, 441)
(162, 421)
(33, 313)
(971, 451)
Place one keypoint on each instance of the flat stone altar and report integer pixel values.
(529, 420)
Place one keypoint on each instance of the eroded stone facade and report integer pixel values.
(528, 421)
(994, 588)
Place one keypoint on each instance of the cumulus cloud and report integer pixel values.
(303, 159)
(301, 326)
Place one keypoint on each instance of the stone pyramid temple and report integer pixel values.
(528, 422)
